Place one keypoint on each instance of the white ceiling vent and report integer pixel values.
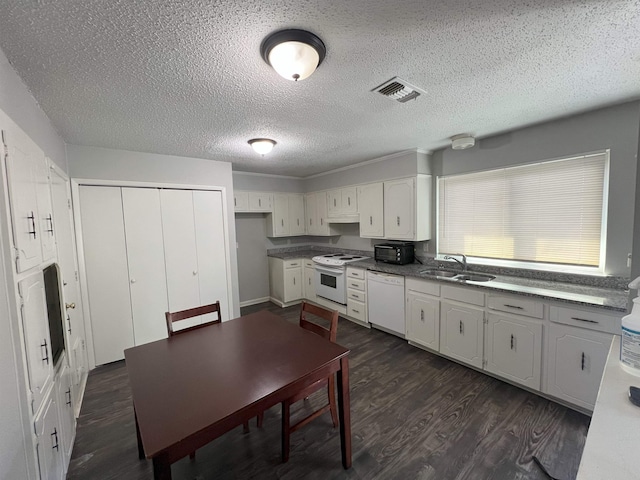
(398, 89)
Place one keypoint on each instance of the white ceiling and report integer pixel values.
(186, 77)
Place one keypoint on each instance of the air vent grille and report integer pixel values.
(399, 90)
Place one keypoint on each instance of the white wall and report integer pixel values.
(121, 165)
(614, 128)
(267, 183)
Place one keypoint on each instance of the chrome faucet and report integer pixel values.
(463, 263)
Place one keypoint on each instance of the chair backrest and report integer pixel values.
(329, 315)
(190, 313)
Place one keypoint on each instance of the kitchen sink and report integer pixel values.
(474, 277)
(439, 273)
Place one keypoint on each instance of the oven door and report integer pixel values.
(330, 283)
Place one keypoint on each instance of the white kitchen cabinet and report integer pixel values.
(575, 361)
(342, 201)
(296, 214)
(371, 209)
(49, 442)
(241, 201)
(357, 294)
(462, 333)
(309, 288)
(514, 349)
(250, 202)
(407, 208)
(66, 413)
(316, 215)
(423, 313)
(287, 218)
(45, 210)
(285, 280)
(37, 341)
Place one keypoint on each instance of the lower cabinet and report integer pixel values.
(462, 333)
(356, 294)
(423, 313)
(513, 349)
(65, 399)
(49, 446)
(308, 280)
(285, 280)
(575, 361)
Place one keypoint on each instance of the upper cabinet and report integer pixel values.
(252, 202)
(316, 213)
(342, 201)
(287, 218)
(371, 201)
(407, 208)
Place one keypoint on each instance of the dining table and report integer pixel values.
(194, 387)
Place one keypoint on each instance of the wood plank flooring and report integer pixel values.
(414, 416)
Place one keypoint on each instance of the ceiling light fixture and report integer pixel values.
(262, 145)
(462, 141)
(294, 54)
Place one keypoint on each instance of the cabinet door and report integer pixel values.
(423, 320)
(49, 446)
(260, 202)
(576, 360)
(45, 210)
(211, 249)
(323, 226)
(145, 259)
(461, 333)
(371, 206)
(399, 209)
(292, 284)
(105, 256)
(281, 215)
(349, 201)
(311, 210)
(514, 349)
(241, 201)
(36, 335)
(22, 157)
(180, 253)
(309, 283)
(64, 392)
(296, 214)
(334, 199)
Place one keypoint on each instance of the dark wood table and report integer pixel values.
(196, 386)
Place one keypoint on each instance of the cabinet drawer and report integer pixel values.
(357, 310)
(465, 295)
(355, 273)
(356, 295)
(520, 306)
(421, 286)
(355, 283)
(586, 319)
(295, 263)
(308, 263)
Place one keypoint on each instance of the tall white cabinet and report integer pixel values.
(148, 251)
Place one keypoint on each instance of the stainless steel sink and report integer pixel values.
(439, 273)
(474, 277)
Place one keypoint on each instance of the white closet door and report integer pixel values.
(145, 257)
(211, 249)
(107, 273)
(180, 252)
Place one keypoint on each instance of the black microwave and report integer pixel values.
(399, 253)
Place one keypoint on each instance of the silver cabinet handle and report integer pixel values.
(50, 220)
(32, 230)
(513, 306)
(310, 221)
(357, 311)
(370, 220)
(259, 202)
(235, 202)
(583, 360)
(294, 280)
(298, 221)
(349, 201)
(55, 435)
(512, 341)
(422, 315)
(398, 220)
(583, 320)
(309, 280)
(461, 327)
(322, 221)
(282, 221)
(334, 202)
(46, 351)
(69, 323)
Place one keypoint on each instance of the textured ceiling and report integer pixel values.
(186, 77)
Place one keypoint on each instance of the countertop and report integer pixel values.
(614, 434)
(613, 300)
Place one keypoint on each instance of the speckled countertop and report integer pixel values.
(613, 299)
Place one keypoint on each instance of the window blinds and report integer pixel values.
(548, 212)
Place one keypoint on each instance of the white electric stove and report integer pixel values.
(330, 275)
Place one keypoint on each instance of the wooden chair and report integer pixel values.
(330, 334)
(172, 317)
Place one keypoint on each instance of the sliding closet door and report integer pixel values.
(145, 258)
(105, 256)
(180, 252)
(211, 248)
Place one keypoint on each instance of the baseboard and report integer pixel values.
(255, 301)
(283, 304)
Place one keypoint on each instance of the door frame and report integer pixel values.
(76, 183)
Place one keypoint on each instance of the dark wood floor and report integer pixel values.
(414, 416)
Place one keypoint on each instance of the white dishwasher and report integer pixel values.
(385, 293)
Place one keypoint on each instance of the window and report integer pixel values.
(551, 212)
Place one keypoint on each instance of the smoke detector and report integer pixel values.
(399, 90)
(462, 141)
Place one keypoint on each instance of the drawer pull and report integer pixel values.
(512, 341)
(354, 284)
(582, 364)
(583, 320)
(259, 202)
(46, 351)
(370, 220)
(55, 435)
(422, 314)
(513, 306)
(357, 311)
(461, 327)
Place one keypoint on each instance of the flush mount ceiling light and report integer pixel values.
(462, 141)
(262, 145)
(294, 54)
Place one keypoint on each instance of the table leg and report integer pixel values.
(344, 412)
(161, 469)
(140, 448)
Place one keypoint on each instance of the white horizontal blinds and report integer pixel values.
(547, 212)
